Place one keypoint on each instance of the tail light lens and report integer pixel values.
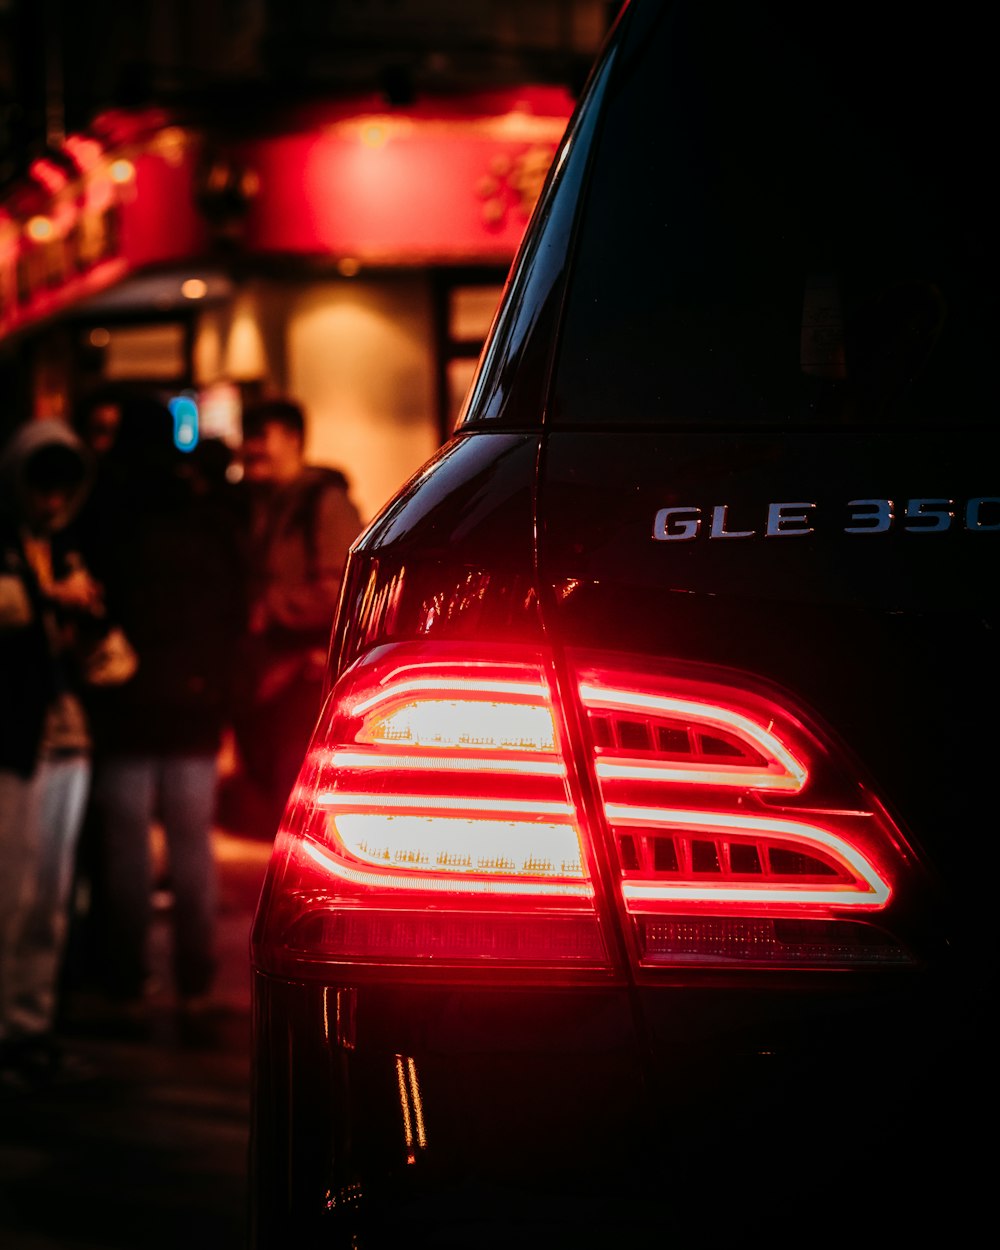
(738, 833)
(466, 806)
(433, 822)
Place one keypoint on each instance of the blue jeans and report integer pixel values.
(40, 821)
(129, 794)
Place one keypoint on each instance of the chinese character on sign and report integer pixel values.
(514, 182)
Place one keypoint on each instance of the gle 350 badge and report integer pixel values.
(798, 519)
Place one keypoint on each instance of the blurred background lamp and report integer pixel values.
(122, 170)
(40, 228)
(184, 410)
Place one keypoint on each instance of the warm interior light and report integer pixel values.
(121, 171)
(86, 152)
(51, 176)
(194, 288)
(40, 229)
(374, 134)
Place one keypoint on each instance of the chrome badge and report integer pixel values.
(798, 519)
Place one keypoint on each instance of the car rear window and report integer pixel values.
(786, 222)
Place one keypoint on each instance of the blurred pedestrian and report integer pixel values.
(97, 419)
(301, 523)
(208, 466)
(49, 606)
(174, 582)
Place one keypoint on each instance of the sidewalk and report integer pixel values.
(240, 863)
(149, 1149)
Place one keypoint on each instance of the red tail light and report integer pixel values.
(738, 832)
(439, 822)
(433, 821)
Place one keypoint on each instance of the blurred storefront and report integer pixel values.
(351, 255)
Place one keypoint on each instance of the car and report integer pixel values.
(636, 883)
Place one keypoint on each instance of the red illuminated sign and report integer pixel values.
(129, 207)
(440, 182)
(396, 188)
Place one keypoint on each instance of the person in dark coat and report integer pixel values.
(171, 565)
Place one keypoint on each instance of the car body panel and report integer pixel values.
(905, 621)
(522, 1088)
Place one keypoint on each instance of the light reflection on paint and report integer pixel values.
(418, 1104)
(411, 1106)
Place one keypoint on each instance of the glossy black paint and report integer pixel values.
(452, 556)
(511, 387)
(562, 1117)
(583, 1118)
(890, 638)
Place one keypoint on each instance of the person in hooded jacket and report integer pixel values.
(49, 604)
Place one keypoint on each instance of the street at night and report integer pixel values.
(146, 1146)
(499, 524)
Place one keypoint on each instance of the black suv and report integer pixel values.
(636, 882)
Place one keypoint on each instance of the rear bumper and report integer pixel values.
(390, 1115)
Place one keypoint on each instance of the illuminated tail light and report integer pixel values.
(737, 835)
(433, 821)
(464, 807)
(643, 737)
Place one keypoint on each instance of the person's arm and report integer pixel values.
(310, 607)
(77, 591)
(15, 603)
